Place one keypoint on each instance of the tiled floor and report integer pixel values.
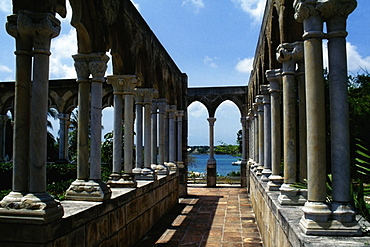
(220, 216)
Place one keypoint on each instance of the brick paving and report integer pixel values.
(221, 216)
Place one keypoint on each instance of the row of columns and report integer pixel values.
(301, 83)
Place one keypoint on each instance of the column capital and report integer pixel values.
(289, 54)
(161, 104)
(211, 121)
(124, 84)
(63, 116)
(266, 93)
(144, 96)
(179, 114)
(171, 109)
(274, 78)
(329, 8)
(36, 25)
(304, 9)
(259, 103)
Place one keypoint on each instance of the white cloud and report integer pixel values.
(197, 4)
(254, 8)
(137, 6)
(245, 65)
(355, 61)
(6, 6)
(61, 61)
(210, 62)
(4, 68)
(197, 110)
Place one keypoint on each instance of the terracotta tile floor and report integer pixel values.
(220, 216)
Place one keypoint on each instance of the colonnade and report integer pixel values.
(298, 90)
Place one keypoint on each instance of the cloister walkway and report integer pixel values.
(220, 216)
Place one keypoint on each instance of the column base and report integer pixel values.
(180, 164)
(259, 170)
(275, 182)
(171, 166)
(146, 174)
(265, 175)
(292, 196)
(32, 208)
(343, 212)
(162, 170)
(92, 190)
(316, 221)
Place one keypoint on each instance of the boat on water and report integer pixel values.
(236, 163)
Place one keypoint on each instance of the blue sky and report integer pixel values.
(213, 41)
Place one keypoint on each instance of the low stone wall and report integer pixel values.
(120, 221)
(279, 225)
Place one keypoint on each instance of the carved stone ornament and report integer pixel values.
(111, 9)
(289, 54)
(329, 8)
(304, 9)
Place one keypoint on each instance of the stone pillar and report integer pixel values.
(211, 163)
(162, 105)
(288, 55)
(129, 84)
(139, 131)
(88, 186)
(63, 137)
(29, 199)
(145, 97)
(255, 137)
(154, 134)
(302, 129)
(243, 164)
(179, 115)
(259, 100)
(171, 138)
(3, 120)
(316, 211)
(117, 83)
(266, 172)
(275, 179)
(339, 112)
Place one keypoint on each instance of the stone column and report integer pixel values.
(63, 137)
(179, 115)
(146, 95)
(276, 180)
(255, 137)
(259, 100)
(154, 134)
(266, 172)
(172, 138)
(129, 84)
(3, 120)
(117, 83)
(243, 164)
(161, 168)
(288, 55)
(167, 134)
(339, 113)
(88, 185)
(139, 131)
(315, 209)
(33, 32)
(211, 163)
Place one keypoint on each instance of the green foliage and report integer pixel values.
(107, 148)
(227, 149)
(233, 174)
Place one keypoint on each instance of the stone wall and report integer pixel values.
(279, 225)
(120, 221)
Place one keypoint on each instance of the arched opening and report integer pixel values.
(198, 140)
(227, 150)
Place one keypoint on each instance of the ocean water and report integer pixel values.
(223, 163)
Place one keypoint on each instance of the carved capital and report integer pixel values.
(161, 104)
(179, 114)
(211, 121)
(124, 84)
(304, 9)
(289, 54)
(330, 8)
(144, 96)
(98, 66)
(274, 78)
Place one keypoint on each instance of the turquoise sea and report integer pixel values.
(223, 163)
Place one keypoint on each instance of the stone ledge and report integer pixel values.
(279, 225)
(95, 223)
